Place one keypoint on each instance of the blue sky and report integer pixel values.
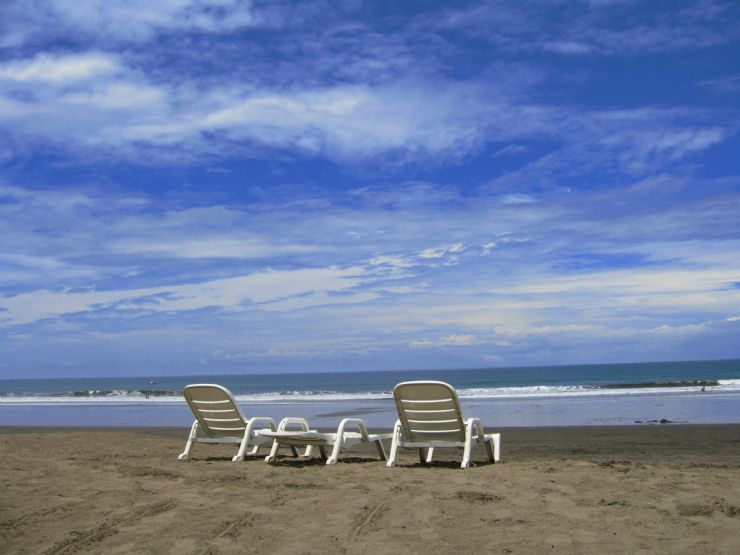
(232, 186)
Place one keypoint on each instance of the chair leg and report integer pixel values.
(242, 446)
(488, 443)
(273, 452)
(381, 450)
(468, 448)
(496, 447)
(322, 452)
(394, 445)
(430, 452)
(394, 450)
(337, 449)
(422, 455)
(189, 445)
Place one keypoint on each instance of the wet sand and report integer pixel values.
(651, 489)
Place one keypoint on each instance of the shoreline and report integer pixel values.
(694, 408)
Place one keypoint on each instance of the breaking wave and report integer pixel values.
(165, 396)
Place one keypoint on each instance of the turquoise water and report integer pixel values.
(693, 392)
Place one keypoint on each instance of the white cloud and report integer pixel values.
(98, 103)
(440, 252)
(531, 330)
(486, 248)
(356, 121)
(45, 199)
(60, 69)
(421, 344)
(637, 284)
(511, 150)
(120, 111)
(603, 28)
(642, 147)
(258, 289)
(518, 198)
(323, 299)
(393, 262)
(35, 262)
(215, 247)
(138, 20)
(666, 329)
(447, 341)
(729, 84)
(381, 297)
(116, 96)
(568, 47)
(458, 340)
(85, 100)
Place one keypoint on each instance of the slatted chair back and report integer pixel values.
(429, 411)
(216, 410)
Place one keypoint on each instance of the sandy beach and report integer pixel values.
(653, 489)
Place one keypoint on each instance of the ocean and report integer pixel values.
(695, 392)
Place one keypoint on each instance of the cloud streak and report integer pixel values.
(259, 289)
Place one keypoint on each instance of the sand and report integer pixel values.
(652, 489)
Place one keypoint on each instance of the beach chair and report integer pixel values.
(218, 419)
(429, 416)
(342, 440)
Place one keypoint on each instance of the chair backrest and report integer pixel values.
(216, 410)
(429, 411)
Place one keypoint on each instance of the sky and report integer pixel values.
(234, 186)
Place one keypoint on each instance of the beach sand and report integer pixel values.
(652, 489)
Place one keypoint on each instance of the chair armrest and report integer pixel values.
(357, 422)
(478, 428)
(285, 422)
(270, 422)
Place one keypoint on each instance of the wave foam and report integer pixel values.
(169, 397)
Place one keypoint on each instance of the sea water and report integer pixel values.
(697, 392)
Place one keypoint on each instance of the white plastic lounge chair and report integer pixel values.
(218, 419)
(342, 440)
(429, 416)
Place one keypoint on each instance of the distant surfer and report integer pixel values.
(703, 388)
